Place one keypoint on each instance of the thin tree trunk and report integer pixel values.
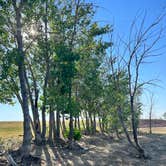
(94, 123)
(51, 121)
(100, 124)
(87, 122)
(150, 124)
(75, 122)
(78, 122)
(46, 76)
(124, 127)
(57, 124)
(91, 123)
(71, 117)
(134, 128)
(34, 107)
(103, 124)
(82, 120)
(54, 127)
(71, 129)
(63, 122)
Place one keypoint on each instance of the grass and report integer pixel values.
(10, 129)
(155, 130)
(15, 129)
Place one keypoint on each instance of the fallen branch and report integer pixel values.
(8, 157)
(10, 160)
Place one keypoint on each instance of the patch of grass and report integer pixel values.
(155, 130)
(76, 134)
(11, 129)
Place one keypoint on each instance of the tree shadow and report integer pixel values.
(59, 155)
(47, 156)
(104, 151)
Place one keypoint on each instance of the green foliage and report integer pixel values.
(76, 134)
(95, 30)
(6, 94)
(70, 56)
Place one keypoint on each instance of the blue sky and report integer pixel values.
(120, 13)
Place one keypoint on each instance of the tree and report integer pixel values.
(150, 112)
(14, 23)
(140, 47)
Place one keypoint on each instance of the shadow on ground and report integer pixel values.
(101, 151)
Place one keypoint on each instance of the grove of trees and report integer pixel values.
(57, 61)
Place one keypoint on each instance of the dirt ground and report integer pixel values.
(103, 151)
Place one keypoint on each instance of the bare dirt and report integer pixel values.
(101, 150)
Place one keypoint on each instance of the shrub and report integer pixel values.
(76, 134)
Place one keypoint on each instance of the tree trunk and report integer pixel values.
(32, 126)
(94, 123)
(54, 127)
(27, 136)
(123, 126)
(78, 122)
(34, 107)
(150, 125)
(57, 124)
(103, 124)
(82, 120)
(71, 117)
(100, 124)
(43, 124)
(91, 123)
(75, 122)
(51, 123)
(46, 75)
(150, 122)
(134, 128)
(71, 129)
(63, 122)
(87, 122)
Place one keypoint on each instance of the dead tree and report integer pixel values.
(138, 49)
(150, 112)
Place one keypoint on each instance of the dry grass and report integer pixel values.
(155, 130)
(10, 129)
(103, 150)
(15, 129)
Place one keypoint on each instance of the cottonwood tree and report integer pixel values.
(12, 26)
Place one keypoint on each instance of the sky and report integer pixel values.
(120, 14)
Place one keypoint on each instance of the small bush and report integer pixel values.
(76, 134)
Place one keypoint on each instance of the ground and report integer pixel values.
(99, 150)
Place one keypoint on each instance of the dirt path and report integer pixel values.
(104, 151)
(117, 153)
